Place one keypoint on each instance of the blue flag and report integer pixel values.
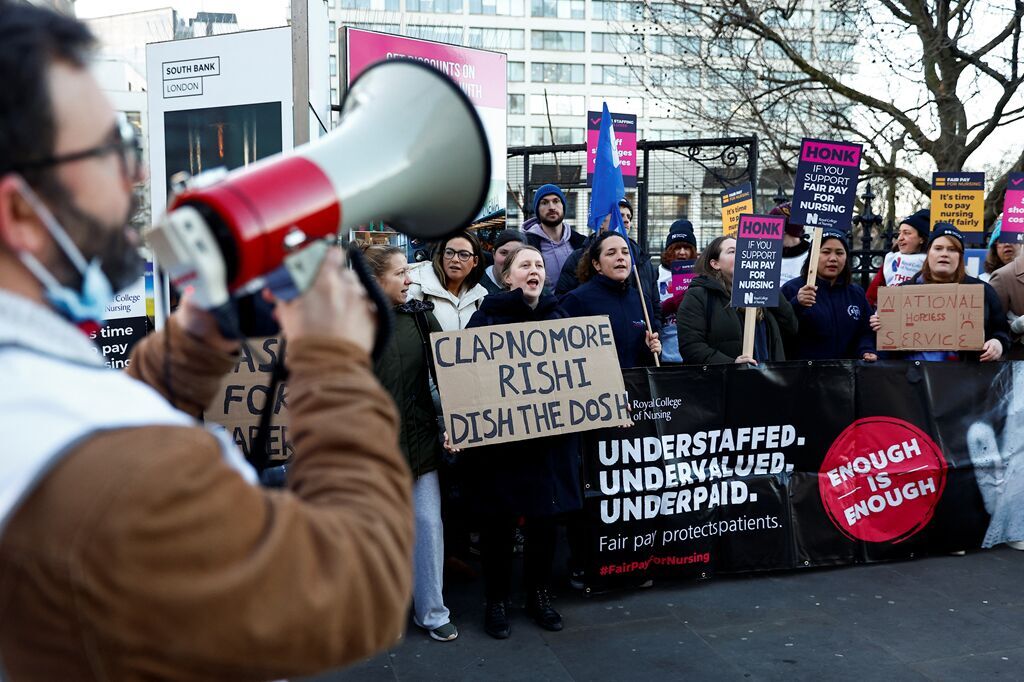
(607, 188)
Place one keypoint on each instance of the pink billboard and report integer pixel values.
(624, 126)
(481, 74)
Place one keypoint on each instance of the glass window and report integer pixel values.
(571, 41)
(557, 9)
(676, 76)
(673, 45)
(496, 38)
(729, 78)
(837, 52)
(515, 136)
(618, 74)
(542, 135)
(711, 208)
(373, 26)
(334, 65)
(619, 43)
(672, 13)
(732, 47)
(334, 95)
(333, 31)
(434, 6)
(550, 72)
(443, 34)
(388, 5)
(516, 72)
(559, 105)
(618, 11)
(503, 8)
(830, 19)
(516, 104)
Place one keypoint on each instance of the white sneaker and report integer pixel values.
(1016, 544)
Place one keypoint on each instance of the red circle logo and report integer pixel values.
(882, 479)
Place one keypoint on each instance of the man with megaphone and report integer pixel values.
(134, 543)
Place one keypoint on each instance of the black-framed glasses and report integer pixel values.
(451, 254)
(121, 140)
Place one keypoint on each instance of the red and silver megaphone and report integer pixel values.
(410, 150)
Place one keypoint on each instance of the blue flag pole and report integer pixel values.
(607, 190)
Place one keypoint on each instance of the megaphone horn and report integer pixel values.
(410, 150)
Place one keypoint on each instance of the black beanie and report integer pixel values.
(681, 231)
(920, 221)
(506, 236)
(946, 230)
(836, 233)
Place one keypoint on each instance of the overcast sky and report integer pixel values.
(251, 14)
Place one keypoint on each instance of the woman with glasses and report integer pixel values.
(451, 280)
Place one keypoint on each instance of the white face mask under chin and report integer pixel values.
(89, 303)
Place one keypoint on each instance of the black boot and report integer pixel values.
(496, 619)
(538, 607)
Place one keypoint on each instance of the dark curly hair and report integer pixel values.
(31, 39)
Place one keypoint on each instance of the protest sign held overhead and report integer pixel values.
(238, 403)
(517, 381)
(1013, 210)
(932, 317)
(755, 282)
(683, 272)
(959, 198)
(826, 184)
(735, 202)
(624, 126)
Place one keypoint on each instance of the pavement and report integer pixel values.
(936, 618)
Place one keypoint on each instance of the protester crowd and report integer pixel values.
(517, 496)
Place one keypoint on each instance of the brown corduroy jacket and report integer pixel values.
(142, 555)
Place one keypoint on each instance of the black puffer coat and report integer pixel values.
(535, 478)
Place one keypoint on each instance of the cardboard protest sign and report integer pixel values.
(238, 403)
(511, 382)
(826, 184)
(682, 274)
(959, 198)
(932, 317)
(624, 126)
(755, 280)
(1013, 210)
(735, 202)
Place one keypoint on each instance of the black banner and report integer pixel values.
(730, 469)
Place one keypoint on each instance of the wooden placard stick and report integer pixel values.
(812, 264)
(643, 306)
(749, 327)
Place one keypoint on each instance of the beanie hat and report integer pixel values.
(997, 229)
(784, 210)
(625, 203)
(920, 221)
(545, 190)
(506, 236)
(836, 233)
(946, 230)
(681, 231)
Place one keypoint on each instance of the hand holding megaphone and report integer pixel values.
(410, 151)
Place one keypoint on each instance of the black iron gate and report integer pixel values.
(675, 179)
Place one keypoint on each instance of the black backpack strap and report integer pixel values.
(424, 330)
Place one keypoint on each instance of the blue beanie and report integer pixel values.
(545, 190)
(946, 230)
(836, 233)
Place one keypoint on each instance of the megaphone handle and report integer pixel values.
(385, 316)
